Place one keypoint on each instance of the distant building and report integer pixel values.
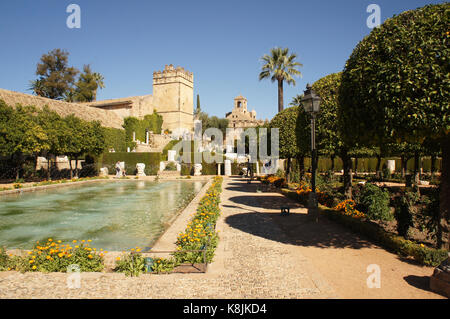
(240, 117)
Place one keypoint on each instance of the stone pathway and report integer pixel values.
(258, 257)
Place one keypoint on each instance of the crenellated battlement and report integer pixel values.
(171, 72)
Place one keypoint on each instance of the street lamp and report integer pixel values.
(311, 103)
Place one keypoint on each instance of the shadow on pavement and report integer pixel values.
(296, 229)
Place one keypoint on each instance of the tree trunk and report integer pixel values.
(403, 161)
(332, 163)
(70, 166)
(433, 165)
(378, 166)
(280, 96)
(288, 170)
(347, 163)
(443, 236)
(356, 166)
(76, 167)
(416, 168)
(301, 166)
(49, 176)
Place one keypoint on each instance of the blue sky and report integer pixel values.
(221, 42)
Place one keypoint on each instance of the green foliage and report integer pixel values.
(280, 66)
(213, 122)
(394, 83)
(115, 139)
(422, 254)
(87, 86)
(19, 131)
(55, 77)
(163, 265)
(151, 122)
(151, 161)
(374, 202)
(404, 212)
(291, 125)
(132, 264)
(328, 139)
(171, 167)
(200, 233)
(428, 216)
(168, 147)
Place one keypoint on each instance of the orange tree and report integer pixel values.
(294, 139)
(395, 88)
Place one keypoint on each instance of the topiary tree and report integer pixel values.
(395, 88)
(292, 124)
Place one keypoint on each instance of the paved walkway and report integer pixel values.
(260, 255)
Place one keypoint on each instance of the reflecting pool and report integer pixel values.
(115, 215)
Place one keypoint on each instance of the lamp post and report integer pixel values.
(311, 103)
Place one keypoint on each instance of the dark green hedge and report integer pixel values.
(151, 161)
(115, 138)
(369, 165)
(399, 245)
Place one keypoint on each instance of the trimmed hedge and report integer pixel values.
(151, 161)
(399, 245)
(368, 165)
(406, 248)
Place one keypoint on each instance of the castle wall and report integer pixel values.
(82, 111)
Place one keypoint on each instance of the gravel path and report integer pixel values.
(260, 255)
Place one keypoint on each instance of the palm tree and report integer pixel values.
(280, 66)
(99, 79)
(297, 100)
(38, 87)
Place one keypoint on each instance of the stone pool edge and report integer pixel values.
(178, 223)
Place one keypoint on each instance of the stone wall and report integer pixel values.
(108, 119)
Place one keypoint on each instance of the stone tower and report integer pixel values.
(173, 97)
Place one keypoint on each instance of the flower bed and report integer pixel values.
(346, 214)
(197, 243)
(54, 256)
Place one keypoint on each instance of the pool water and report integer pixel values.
(116, 215)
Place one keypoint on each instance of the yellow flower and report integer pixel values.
(30, 252)
(89, 240)
(90, 256)
(50, 239)
(118, 258)
(422, 245)
(34, 267)
(31, 261)
(76, 246)
(59, 242)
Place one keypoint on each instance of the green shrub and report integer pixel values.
(132, 264)
(404, 211)
(374, 202)
(422, 254)
(151, 161)
(171, 167)
(428, 215)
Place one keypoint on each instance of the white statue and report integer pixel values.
(197, 169)
(140, 167)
